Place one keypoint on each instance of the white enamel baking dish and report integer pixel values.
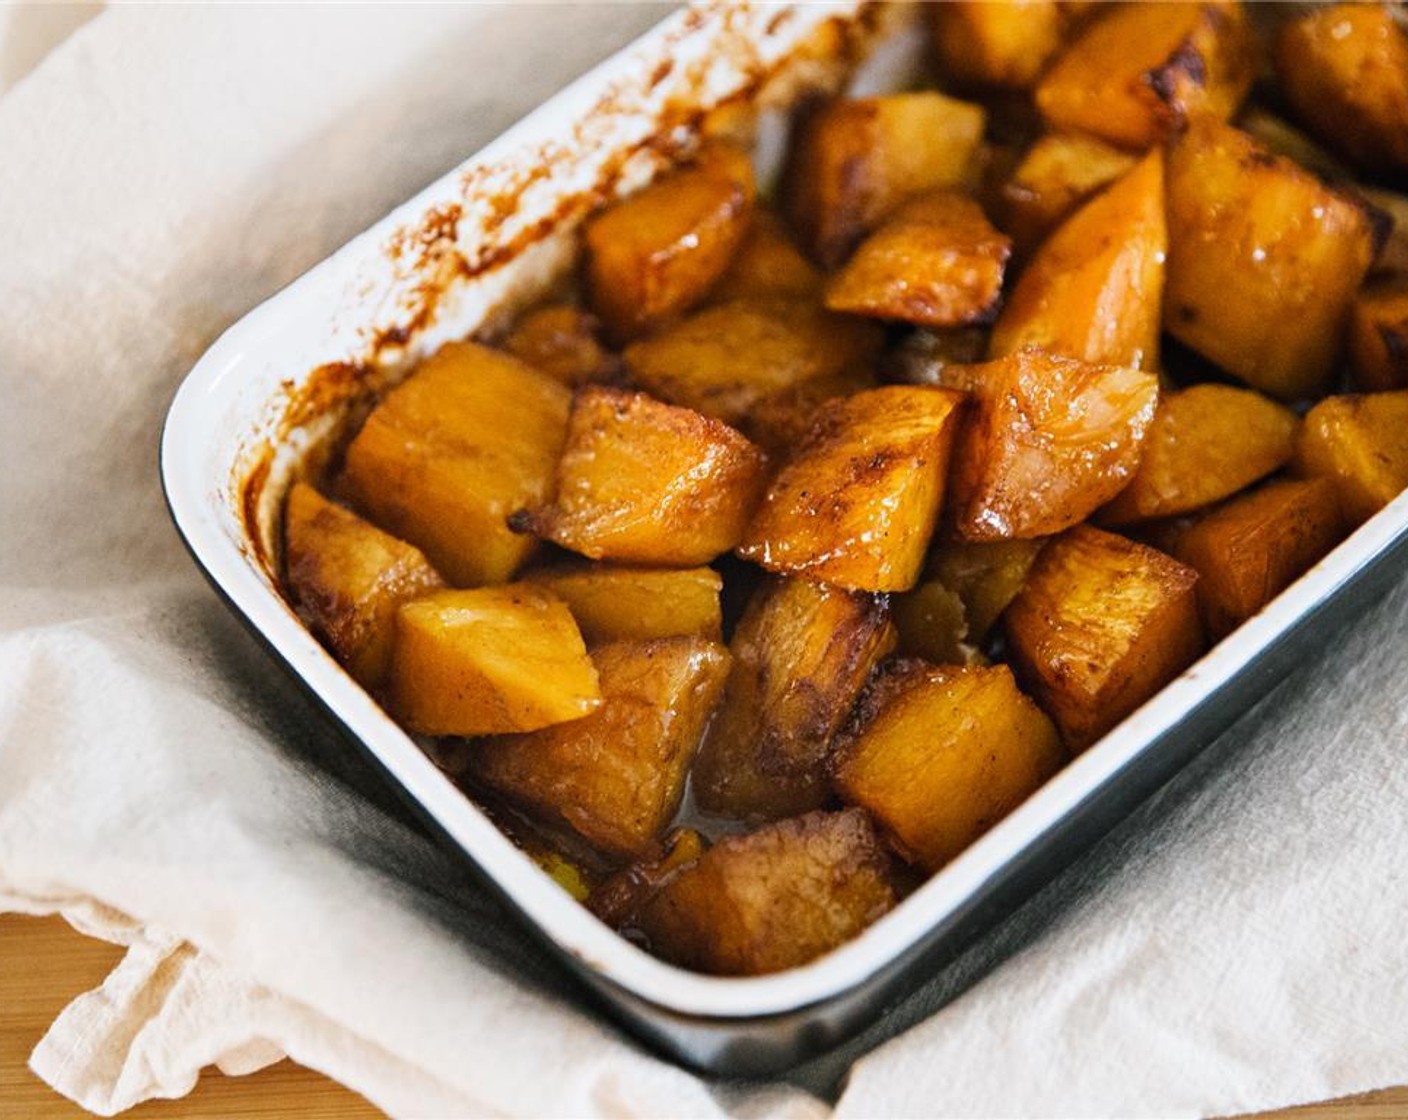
(472, 248)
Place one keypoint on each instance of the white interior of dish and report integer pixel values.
(233, 400)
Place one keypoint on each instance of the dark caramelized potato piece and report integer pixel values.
(779, 422)
(1263, 260)
(1143, 70)
(767, 264)
(856, 160)
(981, 44)
(986, 576)
(487, 661)
(347, 578)
(725, 359)
(655, 254)
(936, 262)
(1359, 442)
(617, 776)
(801, 655)
(1205, 444)
(1102, 624)
(1094, 289)
(619, 900)
(940, 755)
(436, 464)
(774, 899)
(561, 341)
(1058, 173)
(1251, 549)
(1344, 69)
(1378, 336)
(1049, 441)
(856, 504)
(648, 483)
(614, 604)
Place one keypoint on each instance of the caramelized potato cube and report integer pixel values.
(936, 262)
(1205, 444)
(619, 900)
(779, 422)
(801, 655)
(435, 463)
(655, 254)
(648, 483)
(615, 777)
(774, 899)
(1344, 69)
(767, 264)
(1360, 443)
(1094, 289)
(931, 625)
(984, 44)
(1048, 442)
(856, 160)
(940, 755)
(985, 576)
(725, 359)
(1102, 624)
(1057, 175)
(1263, 261)
(614, 604)
(1139, 73)
(347, 578)
(1251, 549)
(857, 503)
(490, 660)
(561, 341)
(1378, 336)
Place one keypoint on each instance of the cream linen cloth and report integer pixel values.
(1239, 944)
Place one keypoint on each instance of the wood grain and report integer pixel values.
(44, 964)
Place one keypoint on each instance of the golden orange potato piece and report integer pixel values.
(1058, 173)
(616, 776)
(561, 341)
(984, 44)
(1378, 336)
(940, 755)
(1205, 444)
(1049, 441)
(774, 899)
(767, 264)
(930, 622)
(778, 423)
(1101, 626)
(985, 575)
(613, 603)
(489, 660)
(643, 482)
(857, 502)
(436, 465)
(1360, 443)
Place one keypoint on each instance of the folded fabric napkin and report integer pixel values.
(1236, 945)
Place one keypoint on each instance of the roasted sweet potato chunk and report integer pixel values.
(1263, 260)
(725, 359)
(931, 624)
(1359, 442)
(1102, 624)
(1378, 336)
(613, 604)
(619, 900)
(856, 504)
(648, 483)
(1205, 444)
(801, 654)
(1049, 440)
(1251, 549)
(1344, 68)
(436, 465)
(655, 254)
(490, 660)
(940, 755)
(981, 44)
(774, 899)
(1094, 289)
(936, 262)
(561, 341)
(615, 777)
(781, 421)
(856, 160)
(1056, 175)
(1139, 73)
(985, 576)
(347, 578)
(768, 264)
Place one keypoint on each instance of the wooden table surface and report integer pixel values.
(44, 964)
